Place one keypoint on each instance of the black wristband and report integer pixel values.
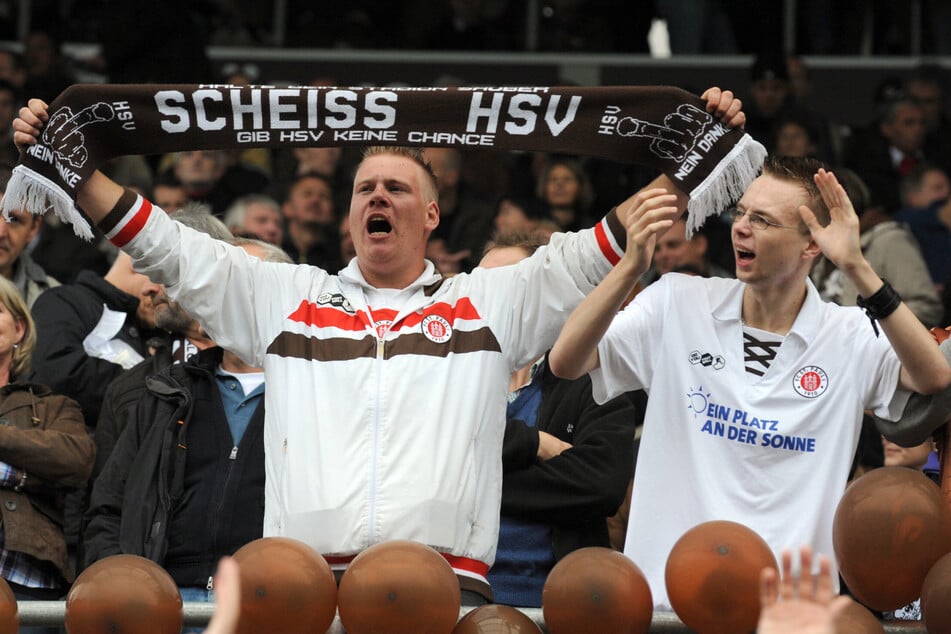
(880, 304)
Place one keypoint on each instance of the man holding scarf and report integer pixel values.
(390, 421)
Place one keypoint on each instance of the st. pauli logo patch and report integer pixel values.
(436, 329)
(811, 381)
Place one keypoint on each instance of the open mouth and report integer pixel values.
(378, 226)
(745, 256)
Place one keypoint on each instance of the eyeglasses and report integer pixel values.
(757, 220)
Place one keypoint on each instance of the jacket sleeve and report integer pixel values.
(239, 301)
(57, 452)
(59, 359)
(528, 303)
(103, 519)
(519, 445)
(589, 480)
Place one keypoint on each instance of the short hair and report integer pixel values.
(914, 179)
(272, 253)
(800, 171)
(528, 241)
(197, 216)
(11, 298)
(414, 154)
(234, 215)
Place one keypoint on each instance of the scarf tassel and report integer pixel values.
(37, 194)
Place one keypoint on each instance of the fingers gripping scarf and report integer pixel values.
(659, 127)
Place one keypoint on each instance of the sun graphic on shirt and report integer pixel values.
(697, 400)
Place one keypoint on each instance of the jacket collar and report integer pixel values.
(352, 274)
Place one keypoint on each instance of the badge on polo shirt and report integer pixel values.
(811, 381)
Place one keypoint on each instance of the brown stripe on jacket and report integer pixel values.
(289, 344)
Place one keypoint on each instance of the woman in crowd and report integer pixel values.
(44, 452)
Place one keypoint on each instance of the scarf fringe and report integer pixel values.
(726, 183)
(37, 194)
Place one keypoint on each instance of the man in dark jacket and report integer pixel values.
(566, 464)
(89, 331)
(184, 485)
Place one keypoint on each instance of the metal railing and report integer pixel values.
(53, 614)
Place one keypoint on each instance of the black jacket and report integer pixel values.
(575, 492)
(138, 499)
(65, 315)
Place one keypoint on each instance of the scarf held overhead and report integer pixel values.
(664, 128)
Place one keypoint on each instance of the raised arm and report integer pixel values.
(575, 353)
(923, 367)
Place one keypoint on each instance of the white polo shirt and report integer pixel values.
(771, 452)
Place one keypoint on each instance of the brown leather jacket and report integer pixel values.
(44, 435)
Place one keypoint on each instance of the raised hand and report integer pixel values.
(646, 215)
(839, 240)
(28, 125)
(799, 604)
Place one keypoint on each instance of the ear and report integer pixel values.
(811, 250)
(432, 216)
(21, 329)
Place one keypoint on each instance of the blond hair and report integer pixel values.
(13, 301)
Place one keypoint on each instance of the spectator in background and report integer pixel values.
(927, 87)
(796, 135)
(465, 218)
(215, 177)
(926, 210)
(923, 456)
(333, 163)
(44, 452)
(12, 70)
(47, 73)
(674, 251)
(884, 152)
(256, 215)
(185, 339)
(566, 463)
(16, 265)
(515, 213)
(168, 192)
(564, 186)
(772, 102)
(311, 222)
(91, 330)
(893, 253)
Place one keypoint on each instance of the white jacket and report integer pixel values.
(370, 439)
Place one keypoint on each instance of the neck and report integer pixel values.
(773, 309)
(230, 362)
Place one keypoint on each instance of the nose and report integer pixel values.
(151, 289)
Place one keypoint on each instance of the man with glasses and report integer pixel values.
(756, 386)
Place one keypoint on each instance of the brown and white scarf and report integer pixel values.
(659, 127)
